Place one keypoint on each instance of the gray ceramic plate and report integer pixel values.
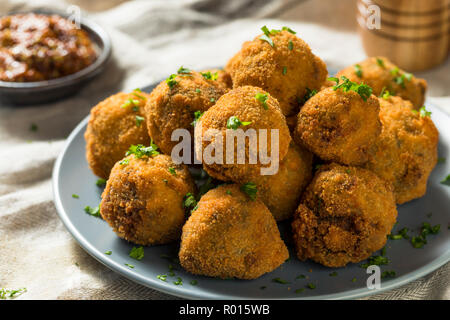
(72, 175)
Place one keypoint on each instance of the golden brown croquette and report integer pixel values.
(231, 236)
(258, 110)
(339, 126)
(286, 70)
(172, 104)
(407, 149)
(115, 123)
(143, 199)
(381, 74)
(345, 215)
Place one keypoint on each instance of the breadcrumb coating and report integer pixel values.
(380, 73)
(407, 149)
(231, 236)
(112, 128)
(284, 73)
(345, 215)
(339, 126)
(143, 199)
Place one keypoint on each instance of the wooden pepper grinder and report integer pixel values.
(414, 34)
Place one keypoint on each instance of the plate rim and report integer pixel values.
(153, 284)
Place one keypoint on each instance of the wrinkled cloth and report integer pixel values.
(151, 39)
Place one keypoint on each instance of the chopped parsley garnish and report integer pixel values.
(380, 62)
(421, 240)
(75, 196)
(108, 252)
(250, 189)
(179, 282)
(363, 90)
(137, 253)
(446, 181)
(385, 94)
(441, 160)
(130, 102)
(400, 78)
(189, 201)
(129, 265)
(290, 45)
(101, 182)
(354, 280)
(92, 211)
(198, 90)
(301, 276)
(140, 150)
(395, 71)
(279, 280)
(124, 162)
(284, 70)
(388, 274)
(172, 171)
(228, 192)
(262, 97)
(139, 120)
(197, 116)
(308, 95)
(424, 112)
(212, 100)
(311, 286)
(171, 82)
(234, 123)
(266, 36)
(34, 127)
(210, 76)
(11, 293)
(194, 282)
(375, 260)
(333, 274)
(162, 277)
(288, 30)
(136, 94)
(184, 70)
(300, 290)
(402, 234)
(358, 70)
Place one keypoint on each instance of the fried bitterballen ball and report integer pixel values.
(407, 148)
(280, 63)
(382, 75)
(250, 109)
(173, 103)
(339, 126)
(115, 123)
(143, 198)
(281, 192)
(231, 236)
(345, 215)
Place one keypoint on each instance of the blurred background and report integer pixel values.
(150, 40)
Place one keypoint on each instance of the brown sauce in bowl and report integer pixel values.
(36, 47)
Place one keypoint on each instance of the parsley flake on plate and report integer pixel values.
(137, 253)
(92, 211)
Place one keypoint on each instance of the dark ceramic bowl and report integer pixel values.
(22, 93)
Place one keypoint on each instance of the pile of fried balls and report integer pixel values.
(351, 147)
